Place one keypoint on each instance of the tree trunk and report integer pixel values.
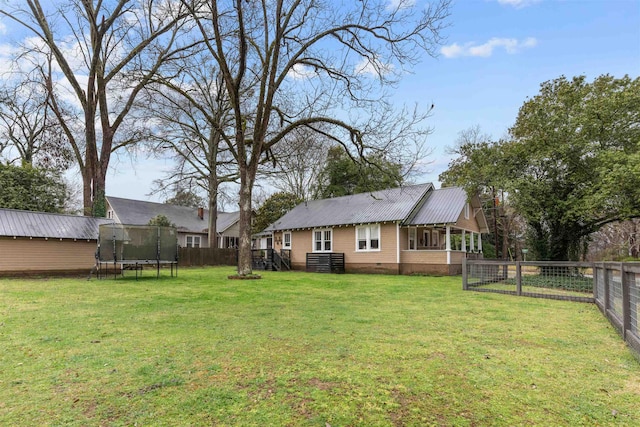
(213, 212)
(246, 187)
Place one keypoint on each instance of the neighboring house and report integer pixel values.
(408, 230)
(192, 224)
(262, 240)
(37, 242)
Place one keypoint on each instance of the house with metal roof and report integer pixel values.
(192, 224)
(38, 242)
(408, 230)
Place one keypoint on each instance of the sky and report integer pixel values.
(495, 56)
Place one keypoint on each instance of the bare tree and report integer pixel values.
(301, 157)
(616, 241)
(106, 53)
(27, 124)
(335, 60)
(192, 112)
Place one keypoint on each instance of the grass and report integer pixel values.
(304, 349)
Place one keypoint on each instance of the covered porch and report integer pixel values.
(437, 249)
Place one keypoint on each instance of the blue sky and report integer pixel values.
(533, 41)
(545, 39)
(496, 54)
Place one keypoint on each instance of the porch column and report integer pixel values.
(448, 244)
(398, 243)
(464, 241)
(471, 242)
(480, 242)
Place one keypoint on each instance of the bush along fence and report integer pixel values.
(613, 287)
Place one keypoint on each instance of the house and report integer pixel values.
(37, 242)
(408, 230)
(192, 224)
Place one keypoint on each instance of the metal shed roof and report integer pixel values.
(380, 206)
(442, 206)
(18, 223)
(138, 212)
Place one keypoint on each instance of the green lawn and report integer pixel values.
(304, 349)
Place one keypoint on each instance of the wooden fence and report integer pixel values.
(195, 257)
(332, 262)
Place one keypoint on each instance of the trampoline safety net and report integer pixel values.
(125, 245)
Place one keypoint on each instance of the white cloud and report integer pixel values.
(3, 28)
(299, 71)
(400, 4)
(511, 46)
(518, 4)
(373, 66)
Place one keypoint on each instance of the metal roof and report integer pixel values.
(18, 223)
(138, 212)
(380, 206)
(442, 206)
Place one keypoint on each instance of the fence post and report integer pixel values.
(626, 302)
(594, 284)
(465, 274)
(605, 284)
(518, 278)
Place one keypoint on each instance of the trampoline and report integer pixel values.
(132, 247)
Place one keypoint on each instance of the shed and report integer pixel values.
(44, 243)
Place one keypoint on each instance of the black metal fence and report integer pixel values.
(613, 287)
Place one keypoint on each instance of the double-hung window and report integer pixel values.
(193, 241)
(368, 238)
(322, 240)
(412, 238)
(286, 240)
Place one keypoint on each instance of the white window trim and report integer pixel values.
(193, 241)
(415, 238)
(426, 238)
(466, 211)
(284, 244)
(313, 240)
(367, 229)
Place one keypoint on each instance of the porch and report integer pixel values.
(437, 249)
(441, 238)
(271, 259)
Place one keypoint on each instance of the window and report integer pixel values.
(286, 240)
(412, 239)
(231, 242)
(368, 238)
(426, 238)
(434, 238)
(193, 241)
(466, 211)
(321, 240)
